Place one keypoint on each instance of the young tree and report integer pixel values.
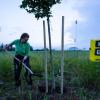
(41, 9)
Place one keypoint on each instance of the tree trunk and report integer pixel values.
(51, 60)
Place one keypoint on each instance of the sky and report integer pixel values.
(15, 21)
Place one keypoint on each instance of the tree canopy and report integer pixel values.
(40, 8)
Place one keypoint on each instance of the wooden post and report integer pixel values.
(62, 55)
(45, 58)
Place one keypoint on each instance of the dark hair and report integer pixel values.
(24, 35)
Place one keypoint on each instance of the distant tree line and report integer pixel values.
(11, 48)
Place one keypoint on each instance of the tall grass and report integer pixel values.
(79, 71)
(6, 66)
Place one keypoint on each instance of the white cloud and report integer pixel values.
(68, 38)
(67, 9)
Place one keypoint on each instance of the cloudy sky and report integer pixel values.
(14, 21)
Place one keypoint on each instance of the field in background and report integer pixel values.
(81, 76)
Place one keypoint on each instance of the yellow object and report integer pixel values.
(95, 50)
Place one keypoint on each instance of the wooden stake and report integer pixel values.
(45, 58)
(62, 55)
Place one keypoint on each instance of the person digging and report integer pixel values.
(22, 48)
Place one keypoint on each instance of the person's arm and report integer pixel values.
(27, 52)
(10, 44)
(13, 43)
(27, 49)
(25, 57)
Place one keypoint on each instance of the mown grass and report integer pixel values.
(82, 75)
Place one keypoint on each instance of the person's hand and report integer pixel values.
(5, 47)
(25, 57)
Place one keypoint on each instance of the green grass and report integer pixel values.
(79, 71)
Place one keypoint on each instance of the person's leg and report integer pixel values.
(17, 71)
(28, 75)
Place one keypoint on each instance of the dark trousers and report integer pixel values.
(17, 70)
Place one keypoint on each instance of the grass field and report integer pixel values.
(81, 76)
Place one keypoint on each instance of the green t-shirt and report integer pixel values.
(21, 48)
